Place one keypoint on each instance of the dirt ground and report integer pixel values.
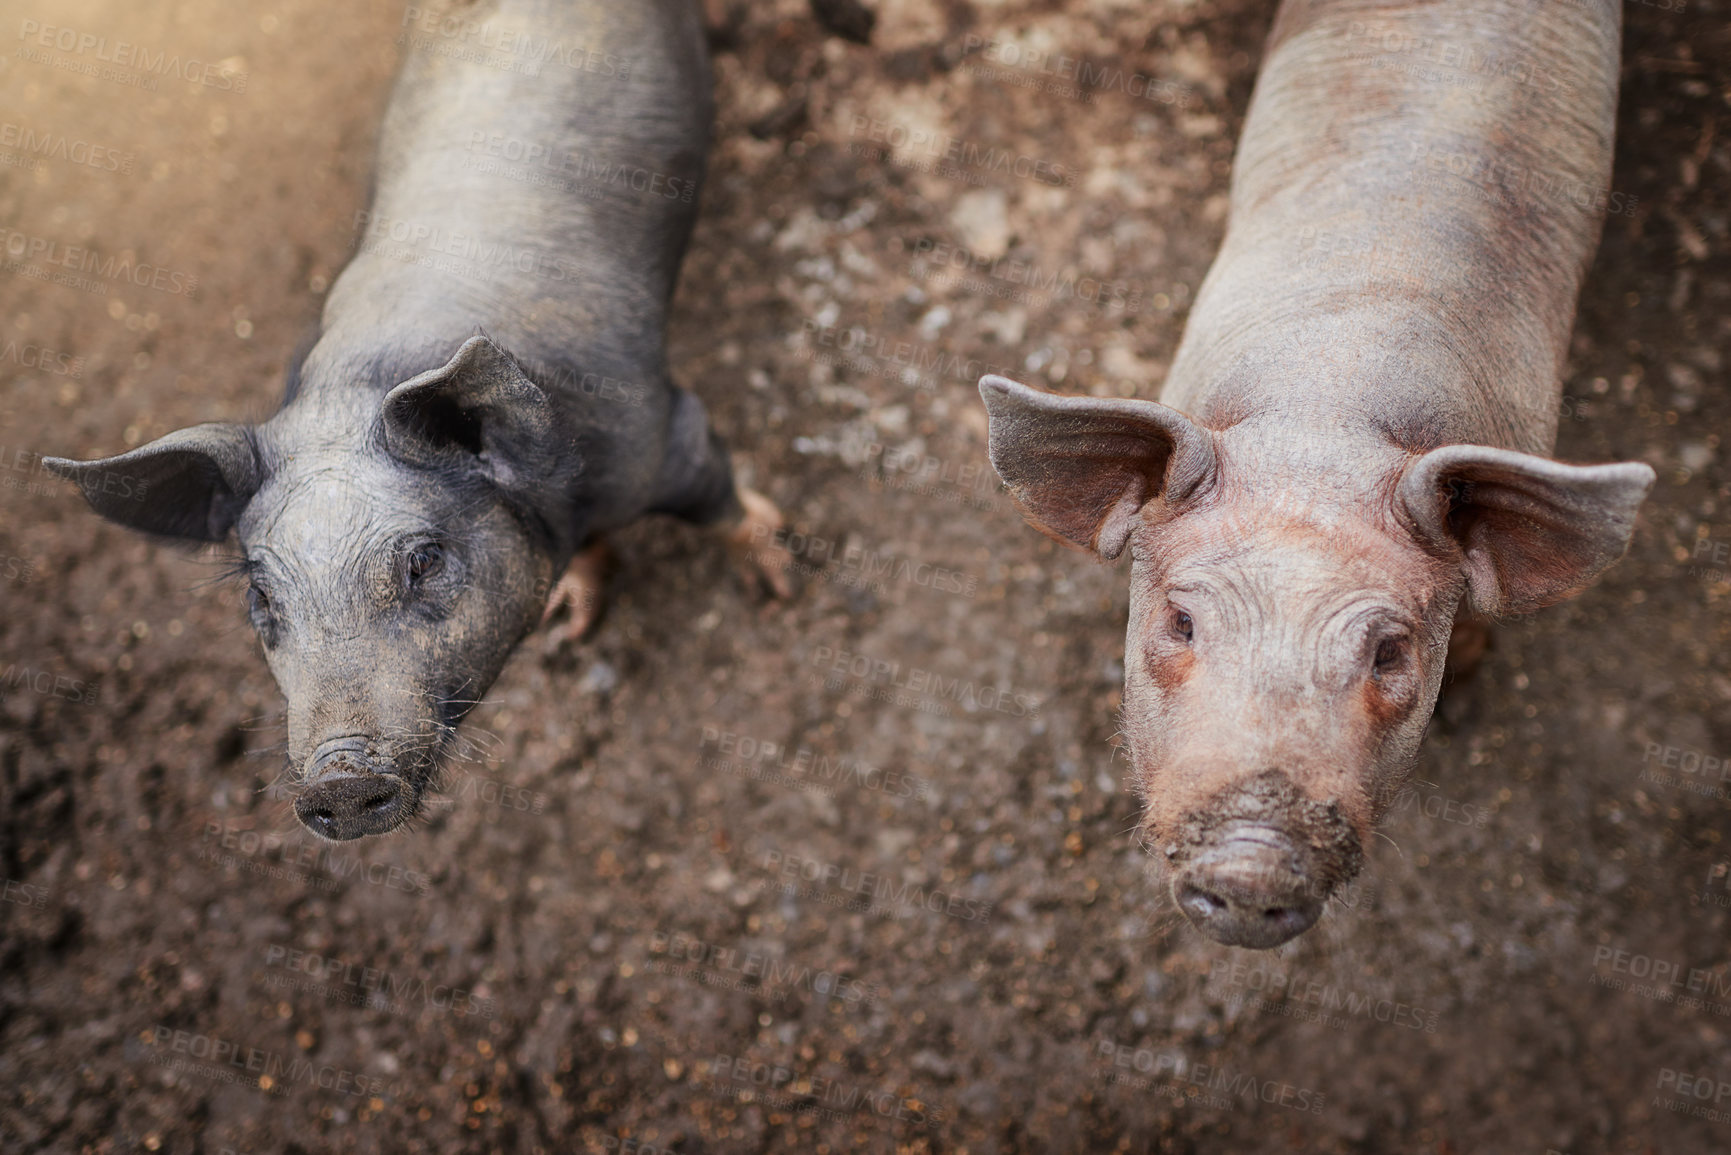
(602, 937)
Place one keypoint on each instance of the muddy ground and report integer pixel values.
(587, 945)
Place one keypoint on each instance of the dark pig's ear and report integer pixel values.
(191, 483)
(479, 408)
(1082, 468)
(1530, 531)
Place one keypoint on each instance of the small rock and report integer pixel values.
(781, 120)
(599, 678)
(980, 1100)
(1008, 327)
(929, 1062)
(848, 19)
(981, 217)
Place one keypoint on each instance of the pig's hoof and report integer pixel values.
(753, 539)
(1468, 642)
(580, 589)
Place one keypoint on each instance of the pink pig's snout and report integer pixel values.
(1253, 888)
(1254, 866)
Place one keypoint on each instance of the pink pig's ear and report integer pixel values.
(1532, 531)
(1082, 468)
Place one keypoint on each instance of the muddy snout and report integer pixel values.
(1256, 868)
(1253, 888)
(347, 794)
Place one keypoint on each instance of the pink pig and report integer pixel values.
(1353, 443)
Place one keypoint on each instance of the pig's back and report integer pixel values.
(537, 178)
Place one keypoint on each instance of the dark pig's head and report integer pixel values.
(394, 556)
(1289, 621)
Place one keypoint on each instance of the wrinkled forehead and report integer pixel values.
(319, 513)
(1292, 565)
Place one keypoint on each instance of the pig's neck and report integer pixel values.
(382, 327)
(1314, 468)
(1345, 372)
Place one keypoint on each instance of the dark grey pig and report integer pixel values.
(1352, 446)
(487, 392)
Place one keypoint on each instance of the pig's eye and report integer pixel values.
(1389, 653)
(259, 609)
(1179, 623)
(423, 562)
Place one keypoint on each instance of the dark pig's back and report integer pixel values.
(537, 178)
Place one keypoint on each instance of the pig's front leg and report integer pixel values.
(750, 538)
(580, 589)
(697, 484)
(753, 539)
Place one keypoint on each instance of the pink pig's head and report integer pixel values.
(1289, 620)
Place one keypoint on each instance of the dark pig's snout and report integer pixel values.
(348, 795)
(1256, 866)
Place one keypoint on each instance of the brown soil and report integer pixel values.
(166, 939)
